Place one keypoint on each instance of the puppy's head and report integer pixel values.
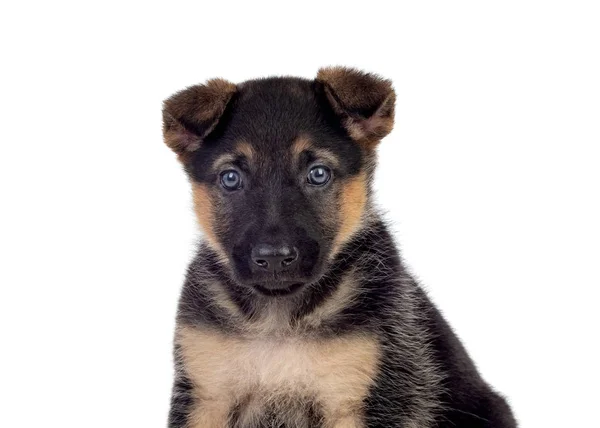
(280, 168)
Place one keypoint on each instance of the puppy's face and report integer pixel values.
(280, 169)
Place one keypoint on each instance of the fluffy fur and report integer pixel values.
(354, 342)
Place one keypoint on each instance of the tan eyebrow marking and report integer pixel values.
(241, 149)
(245, 149)
(303, 144)
(223, 159)
(327, 155)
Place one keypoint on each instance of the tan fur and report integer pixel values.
(245, 149)
(180, 140)
(273, 319)
(222, 160)
(215, 97)
(301, 144)
(242, 148)
(350, 91)
(354, 89)
(341, 298)
(353, 199)
(349, 422)
(201, 105)
(212, 414)
(205, 214)
(355, 130)
(327, 156)
(335, 372)
(220, 297)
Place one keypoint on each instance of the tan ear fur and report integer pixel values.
(363, 101)
(190, 115)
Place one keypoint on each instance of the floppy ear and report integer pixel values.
(364, 102)
(190, 115)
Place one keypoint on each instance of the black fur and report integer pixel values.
(426, 378)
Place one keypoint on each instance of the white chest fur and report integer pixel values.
(228, 371)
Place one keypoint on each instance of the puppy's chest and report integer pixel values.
(288, 382)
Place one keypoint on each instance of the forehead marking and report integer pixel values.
(223, 159)
(301, 144)
(304, 144)
(245, 149)
(327, 156)
(242, 149)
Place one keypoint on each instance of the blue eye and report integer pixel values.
(319, 175)
(231, 180)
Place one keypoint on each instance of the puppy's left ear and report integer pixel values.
(364, 102)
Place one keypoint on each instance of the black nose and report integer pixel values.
(274, 258)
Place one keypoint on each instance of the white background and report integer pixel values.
(490, 180)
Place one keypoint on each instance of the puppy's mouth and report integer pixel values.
(278, 290)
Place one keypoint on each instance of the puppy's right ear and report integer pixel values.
(190, 115)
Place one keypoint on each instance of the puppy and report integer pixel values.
(297, 311)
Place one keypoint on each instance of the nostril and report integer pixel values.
(288, 261)
(290, 257)
(273, 258)
(262, 263)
